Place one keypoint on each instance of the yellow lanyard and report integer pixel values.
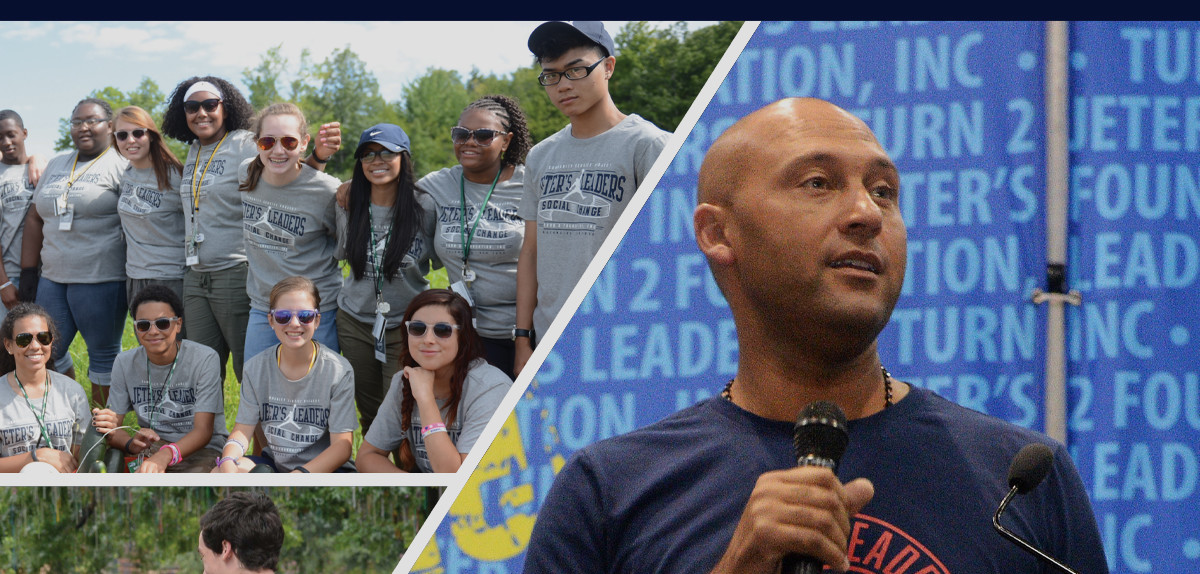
(279, 359)
(71, 177)
(196, 182)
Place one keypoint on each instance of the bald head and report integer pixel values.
(742, 148)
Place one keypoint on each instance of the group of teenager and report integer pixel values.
(233, 254)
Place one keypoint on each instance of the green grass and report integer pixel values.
(232, 392)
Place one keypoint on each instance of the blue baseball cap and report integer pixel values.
(390, 136)
(592, 31)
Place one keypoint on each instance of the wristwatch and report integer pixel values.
(527, 333)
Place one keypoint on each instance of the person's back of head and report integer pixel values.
(251, 525)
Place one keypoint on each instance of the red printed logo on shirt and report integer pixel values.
(877, 547)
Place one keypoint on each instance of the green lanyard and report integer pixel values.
(376, 258)
(462, 212)
(41, 420)
(166, 385)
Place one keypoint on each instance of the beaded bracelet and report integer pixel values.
(176, 456)
(240, 444)
(221, 460)
(431, 429)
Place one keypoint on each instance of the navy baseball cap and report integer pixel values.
(390, 136)
(592, 31)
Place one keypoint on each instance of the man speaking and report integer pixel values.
(799, 218)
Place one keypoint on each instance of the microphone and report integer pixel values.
(819, 439)
(1028, 469)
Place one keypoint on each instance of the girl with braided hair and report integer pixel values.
(478, 233)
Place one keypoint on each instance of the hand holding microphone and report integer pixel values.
(801, 514)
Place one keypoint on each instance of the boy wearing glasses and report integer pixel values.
(579, 180)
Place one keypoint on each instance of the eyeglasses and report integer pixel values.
(284, 316)
(440, 330)
(193, 106)
(289, 143)
(24, 339)
(161, 323)
(483, 136)
(383, 155)
(137, 134)
(90, 122)
(576, 73)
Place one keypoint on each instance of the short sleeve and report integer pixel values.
(385, 432)
(478, 413)
(207, 374)
(341, 403)
(569, 533)
(118, 392)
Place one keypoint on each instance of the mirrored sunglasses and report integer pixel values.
(193, 106)
(161, 323)
(440, 330)
(483, 136)
(284, 316)
(24, 339)
(137, 134)
(289, 143)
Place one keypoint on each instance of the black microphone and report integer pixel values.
(1028, 469)
(820, 439)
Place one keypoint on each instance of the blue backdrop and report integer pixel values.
(959, 107)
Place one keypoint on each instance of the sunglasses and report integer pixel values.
(24, 339)
(289, 143)
(440, 330)
(161, 323)
(137, 134)
(483, 136)
(193, 106)
(383, 154)
(284, 316)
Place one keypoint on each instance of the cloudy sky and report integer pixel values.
(61, 62)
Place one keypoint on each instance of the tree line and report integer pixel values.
(659, 74)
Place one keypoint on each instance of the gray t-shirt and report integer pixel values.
(15, 194)
(298, 416)
(67, 416)
(153, 222)
(217, 214)
(576, 189)
(495, 247)
(482, 392)
(291, 231)
(358, 295)
(194, 387)
(93, 250)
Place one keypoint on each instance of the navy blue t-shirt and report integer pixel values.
(667, 498)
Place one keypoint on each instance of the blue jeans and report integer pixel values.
(260, 336)
(95, 310)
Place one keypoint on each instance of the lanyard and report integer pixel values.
(41, 420)
(166, 385)
(467, 238)
(71, 178)
(376, 258)
(279, 360)
(197, 182)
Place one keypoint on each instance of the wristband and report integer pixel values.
(431, 429)
(176, 456)
(318, 159)
(302, 469)
(33, 453)
(239, 443)
(6, 285)
(222, 459)
(127, 443)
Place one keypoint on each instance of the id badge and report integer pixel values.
(60, 203)
(66, 219)
(380, 338)
(190, 254)
(134, 464)
(461, 288)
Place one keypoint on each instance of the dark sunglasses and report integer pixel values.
(483, 136)
(440, 330)
(193, 106)
(24, 339)
(161, 323)
(284, 316)
(289, 143)
(137, 134)
(383, 154)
